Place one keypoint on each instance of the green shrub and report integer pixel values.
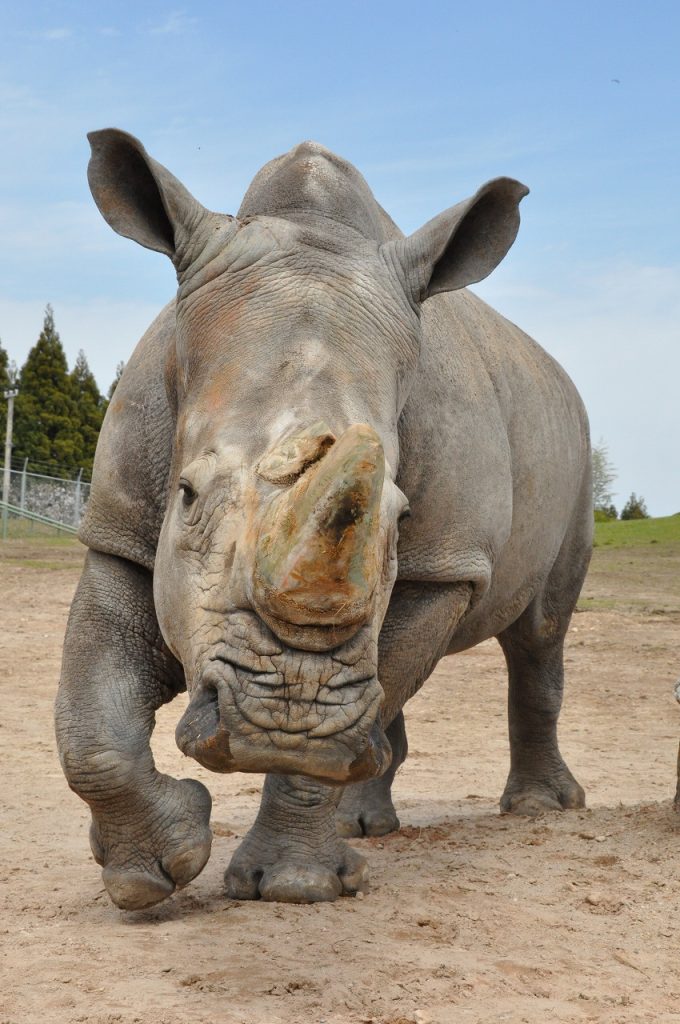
(635, 508)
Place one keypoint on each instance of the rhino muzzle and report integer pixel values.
(318, 559)
(326, 726)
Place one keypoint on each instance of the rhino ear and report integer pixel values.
(137, 196)
(463, 244)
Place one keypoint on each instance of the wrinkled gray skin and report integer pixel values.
(310, 307)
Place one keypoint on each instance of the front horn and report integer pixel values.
(317, 561)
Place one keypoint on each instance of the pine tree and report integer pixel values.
(4, 386)
(635, 508)
(90, 408)
(46, 425)
(114, 384)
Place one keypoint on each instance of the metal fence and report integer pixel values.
(57, 498)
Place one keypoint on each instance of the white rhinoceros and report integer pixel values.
(318, 378)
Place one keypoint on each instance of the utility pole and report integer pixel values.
(10, 395)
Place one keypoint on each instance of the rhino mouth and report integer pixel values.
(261, 707)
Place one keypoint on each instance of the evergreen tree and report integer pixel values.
(635, 508)
(4, 386)
(90, 408)
(114, 383)
(46, 425)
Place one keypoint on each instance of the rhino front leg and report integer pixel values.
(366, 808)
(292, 853)
(149, 831)
(419, 623)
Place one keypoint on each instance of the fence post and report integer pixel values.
(76, 510)
(10, 395)
(22, 498)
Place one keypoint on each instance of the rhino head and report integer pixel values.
(297, 339)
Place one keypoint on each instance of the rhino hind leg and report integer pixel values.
(539, 779)
(149, 831)
(292, 854)
(366, 808)
(533, 646)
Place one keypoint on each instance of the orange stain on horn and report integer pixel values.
(317, 559)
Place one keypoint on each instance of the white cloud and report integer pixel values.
(617, 333)
(176, 23)
(55, 34)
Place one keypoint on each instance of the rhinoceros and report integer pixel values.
(327, 465)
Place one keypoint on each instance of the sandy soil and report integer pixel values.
(471, 916)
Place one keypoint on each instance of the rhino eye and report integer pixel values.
(188, 493)
(404, 514)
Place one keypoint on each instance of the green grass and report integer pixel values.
(635, 568)
(633, 533)
(26, 529)
(40, 550)
(41, 563)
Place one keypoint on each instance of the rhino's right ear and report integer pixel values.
(138, 197)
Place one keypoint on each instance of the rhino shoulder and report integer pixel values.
(129, 483)
(493, 441)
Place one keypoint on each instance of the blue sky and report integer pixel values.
(579, 100)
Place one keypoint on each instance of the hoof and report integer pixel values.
(143, 863)
(300, 883)
(533, 798)
(366, 809)
(136, 890)
(367, 824)
(292, 881)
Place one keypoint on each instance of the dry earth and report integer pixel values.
(471, 916)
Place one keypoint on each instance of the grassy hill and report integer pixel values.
(635, 567)
(634, 532)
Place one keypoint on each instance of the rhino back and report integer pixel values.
(129, 483)
(494, 459)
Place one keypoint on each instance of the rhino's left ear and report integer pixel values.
(463, 244)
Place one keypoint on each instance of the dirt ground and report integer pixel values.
(471, 916)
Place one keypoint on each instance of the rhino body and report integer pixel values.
(318, 377)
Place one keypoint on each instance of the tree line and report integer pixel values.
(58, 412)
(604, 476)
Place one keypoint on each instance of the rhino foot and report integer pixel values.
(292, 854)
(252, 875)
(558, 791)
(148, 852)
(366, 809)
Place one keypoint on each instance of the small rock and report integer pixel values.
(594, 899)
(359, 895)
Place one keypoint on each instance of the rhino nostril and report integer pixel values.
(295, 453)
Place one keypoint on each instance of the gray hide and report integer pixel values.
(318, 378)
